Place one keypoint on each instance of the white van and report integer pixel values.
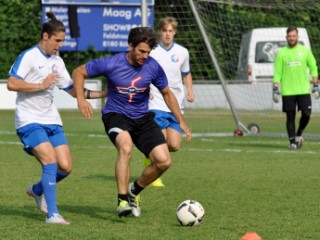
(258, 50)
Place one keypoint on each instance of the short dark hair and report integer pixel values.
(143, 34)
(291, 29)
(52, 26)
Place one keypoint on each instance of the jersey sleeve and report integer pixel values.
(97, 67)
(64, 81)
(22, 66)
(312, 64)
(277, 68)
(185, 68)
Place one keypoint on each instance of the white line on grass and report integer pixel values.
(187, 149)
(10, 143)
(254, 141)
(247, 151)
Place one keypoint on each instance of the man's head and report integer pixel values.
(52, 35)
(142, 35)
(141, 41)
(292, 36)
(167, 30)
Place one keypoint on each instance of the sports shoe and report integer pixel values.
(40, 200)
(293, 146)
(134, 202)
(56, 218)
(157, 183)
(299, 140)
(123, 209)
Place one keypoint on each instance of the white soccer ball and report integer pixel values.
(190, 213)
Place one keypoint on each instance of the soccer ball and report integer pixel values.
(190, 213)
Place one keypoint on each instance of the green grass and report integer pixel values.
(244, 183)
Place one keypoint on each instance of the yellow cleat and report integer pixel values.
(157, 183)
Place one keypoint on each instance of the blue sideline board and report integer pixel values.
(104, 26)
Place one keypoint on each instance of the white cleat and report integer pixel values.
(56, 218)
(40, 200)
(293, 146)
(299, 140)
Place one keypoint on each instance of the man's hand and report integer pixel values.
(315, 91)
(85, 108)
(186, 130)
(276, 94)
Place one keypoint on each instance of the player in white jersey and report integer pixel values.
(33, 76)
(174, 59)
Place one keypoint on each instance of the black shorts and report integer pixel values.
(290, 103)
(145, 133)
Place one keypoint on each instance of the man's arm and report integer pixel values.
(312, 65)
(187, 79)
(78, 76)
(18, 85)
(277, 70)
(90, 94)
(173, 105)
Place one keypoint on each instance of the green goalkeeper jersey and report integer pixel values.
(291, 70)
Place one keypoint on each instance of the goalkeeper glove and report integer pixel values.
(276, 94)
(315, 91)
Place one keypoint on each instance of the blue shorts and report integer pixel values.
(166, 120)
(33, 134)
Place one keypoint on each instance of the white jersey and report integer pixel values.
(175, 63)
(34, 66)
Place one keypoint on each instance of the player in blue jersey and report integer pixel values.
(33, 76)
(126, 116)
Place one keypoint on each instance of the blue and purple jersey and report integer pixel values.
(128, 85)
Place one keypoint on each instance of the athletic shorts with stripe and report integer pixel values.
(145, 133)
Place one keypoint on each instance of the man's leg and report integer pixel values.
(122, 171)
(45, 154)
(158, 182)
(304, 120)
(291, 128)
(161, 161)
(174, 138)
(305, 106)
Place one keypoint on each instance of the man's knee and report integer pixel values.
(174, 147)
(306, 113)
(163, 165)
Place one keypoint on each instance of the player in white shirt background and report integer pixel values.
(174, 59)
(33, 76)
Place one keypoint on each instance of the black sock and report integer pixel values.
(136, 188)
(292, 140)
(290, 123)
(123, 197)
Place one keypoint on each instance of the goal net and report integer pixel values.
(232, 45)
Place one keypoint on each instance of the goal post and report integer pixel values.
(232, 45)
(216, 65)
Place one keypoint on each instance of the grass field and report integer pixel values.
(244, 183)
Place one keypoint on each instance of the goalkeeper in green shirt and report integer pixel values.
(291, 72)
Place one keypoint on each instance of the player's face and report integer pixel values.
(139, 54)
(167, 35)
(292, 38)
(53, 43)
